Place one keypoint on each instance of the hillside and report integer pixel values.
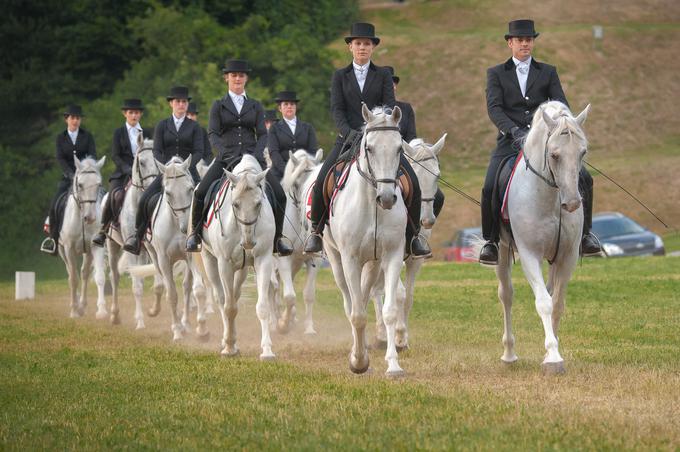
(441, 50)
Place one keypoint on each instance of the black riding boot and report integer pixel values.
(277, 199)
(589, 243)
(489, 253)
(194, 240)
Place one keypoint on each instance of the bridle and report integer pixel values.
(420, 163)
(239, 219)
(75, 190)
(139, 169)
(174, 209)
(370, 177)
(552, 181)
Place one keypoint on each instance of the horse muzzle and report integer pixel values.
(428, 222)
(386, 200)
(571, 204)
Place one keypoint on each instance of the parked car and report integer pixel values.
(461, 248)
(621, 236)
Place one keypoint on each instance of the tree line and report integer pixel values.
(98, 53)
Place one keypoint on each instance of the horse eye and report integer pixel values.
(258, 204)
(237, 205)
(555, 156)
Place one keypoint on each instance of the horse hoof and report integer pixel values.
(402, 348)
(140, 325)
(270, 357)
(230, 353)
(73, 315)
(282, 327)
(553, 368)
(115, 319)
(205, 337)
(395, 373)
(379, 344)
(310, 332)
(101, 314)
(358, 369)
(153, 312)
(509, 360)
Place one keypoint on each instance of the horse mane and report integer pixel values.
(173, 168)
(538, 134)
(88, 161)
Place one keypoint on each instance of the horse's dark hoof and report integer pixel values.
(553, 368)
(359, 369)
(401, 348)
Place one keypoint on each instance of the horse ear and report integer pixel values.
(408, 149)
(260, 177)
(439, 145)
(187, 163)
(161, 167)
(292, 158)
(581, 118)
(396, 115)
(100, 163)
(549, 121)
(140, 141)
(77, 162)
(267, 157)
(366, 113)
(232, 177)
(319, 155)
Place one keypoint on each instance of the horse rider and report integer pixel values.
(514, 90)
(270, 119)
(361, 82)
(289, 134)
(174, 136)
(192, 113)
(72, 142)
(123, 151)
(407, 127)
(236, 127)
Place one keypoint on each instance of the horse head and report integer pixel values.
(299, 165)
(247, 196)
(144, 167)
(178, 189)
(380, 153)
(87, 182)
(425, 159)
(557, 138)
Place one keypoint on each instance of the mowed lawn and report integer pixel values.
(84, 384)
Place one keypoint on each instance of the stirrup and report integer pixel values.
(488, 262)
(422, 256)
(49, 246)
(599, 244)
(286, 252)
(306, 249)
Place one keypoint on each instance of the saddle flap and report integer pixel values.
(504, 176)
(117, 195)
(330, 185)
(214, 198)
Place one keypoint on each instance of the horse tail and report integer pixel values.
(141, 271)
(123, 263)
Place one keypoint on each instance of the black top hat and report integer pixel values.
(73, 110)
(270, 115)
(132, 104)
(236, 66)
(521, 27)
(395, 78)
(192, 108)
(179, 92)
(362, 30)
(286, 96)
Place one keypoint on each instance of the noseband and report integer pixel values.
(76, 197)
(172, 208)
(370, 177)
(139, 170)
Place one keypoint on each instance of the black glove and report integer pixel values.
(517, 133)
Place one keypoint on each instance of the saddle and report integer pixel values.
(214, 198)
(502, 183)
(336, 180)
(59, 209)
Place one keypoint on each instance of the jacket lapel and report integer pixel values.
(512, 73)
(352, 81)
(533, 73)
(285, 128)
(229, 104)
(298, 129)
(369, 77)
(247, 105)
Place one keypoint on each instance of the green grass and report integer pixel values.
(68, 384)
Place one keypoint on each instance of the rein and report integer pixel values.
(370, 177)
(80, 202)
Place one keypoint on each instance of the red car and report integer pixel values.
(461, 249)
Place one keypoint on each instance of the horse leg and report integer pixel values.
(559, 276)
(187, 282)
(71, 267)
(391, 308)
(377, 295)
(100, 281)
(358, 357)
(85, 271)
(199, 291)
(165, 267)
(340, 280)
(505, 294)
(412, 269)
(263, 272)
(114, 256)
(228, 308)
(553, 362)
(158, 288)
(401, 331)
(309, 294)
(286, 275)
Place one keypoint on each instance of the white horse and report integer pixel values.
(144, 171)
(425, 163)
(366, 233)
(240, 234)
(299, 175)
(167, 244)
(81, 221)
(546, 220)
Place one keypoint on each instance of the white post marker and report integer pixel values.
(25, 286)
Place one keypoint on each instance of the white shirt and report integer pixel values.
(133, 134)
(360, 72)
(73, 135)
(522, 69)
(178, 121)
(292, 123)
(238, 100)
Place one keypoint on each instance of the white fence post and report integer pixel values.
(25, 286)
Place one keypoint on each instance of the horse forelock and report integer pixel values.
(422, 150)
(565, 122)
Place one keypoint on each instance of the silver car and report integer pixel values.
(621, 236)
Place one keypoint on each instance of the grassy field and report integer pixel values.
(84, 384)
